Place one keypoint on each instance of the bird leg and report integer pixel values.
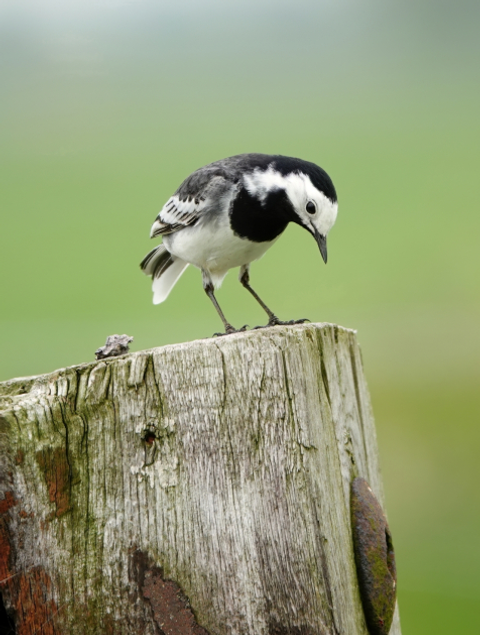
(272, 318)
(208, 286)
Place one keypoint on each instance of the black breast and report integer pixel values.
(260, 222)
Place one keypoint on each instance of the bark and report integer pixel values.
(201, 488)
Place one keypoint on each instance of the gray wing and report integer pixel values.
(200, 192)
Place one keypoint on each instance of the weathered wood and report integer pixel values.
(201, 488)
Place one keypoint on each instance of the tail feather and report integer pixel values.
(165, 270)
(154, 260)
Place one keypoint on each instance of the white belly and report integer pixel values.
(214, 248)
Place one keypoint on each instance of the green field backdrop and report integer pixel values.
(107, 106)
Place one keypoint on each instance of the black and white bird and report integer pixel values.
(228, 213)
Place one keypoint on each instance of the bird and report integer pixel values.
(228, 213)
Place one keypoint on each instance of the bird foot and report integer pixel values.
(274, 321)
(229, 330)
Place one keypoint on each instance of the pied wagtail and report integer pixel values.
(228, 213)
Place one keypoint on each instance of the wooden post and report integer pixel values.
(200, 489)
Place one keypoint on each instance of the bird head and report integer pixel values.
(314, 209)
(309, 193)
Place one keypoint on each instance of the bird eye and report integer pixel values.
(311, 209)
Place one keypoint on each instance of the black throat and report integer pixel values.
(261, 222)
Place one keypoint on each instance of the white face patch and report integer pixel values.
(300, 190)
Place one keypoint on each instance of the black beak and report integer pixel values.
(322, 243)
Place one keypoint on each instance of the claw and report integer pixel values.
(231, 330)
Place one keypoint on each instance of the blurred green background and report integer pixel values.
(107, 106)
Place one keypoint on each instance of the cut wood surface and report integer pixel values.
(201, 488)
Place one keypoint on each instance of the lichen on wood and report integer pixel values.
(223, 465)
(374, 557)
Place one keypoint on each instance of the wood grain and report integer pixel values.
(212, 476)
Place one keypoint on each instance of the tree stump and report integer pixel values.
(195, 489)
